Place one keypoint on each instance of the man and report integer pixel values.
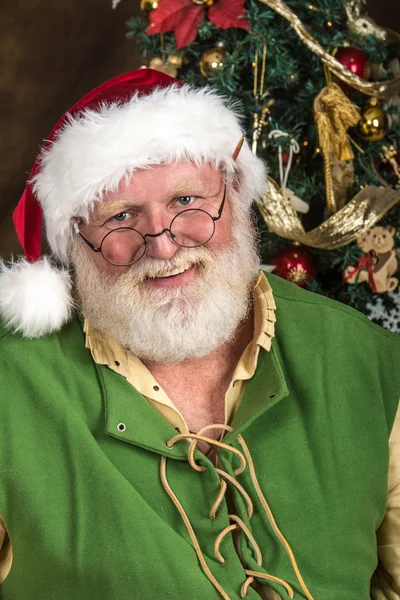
(158, 437)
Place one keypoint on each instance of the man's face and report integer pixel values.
(175, 303)
(148, 202)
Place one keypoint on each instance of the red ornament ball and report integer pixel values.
(304, 156)
(285, 158)
(294, 264)
(356, 61)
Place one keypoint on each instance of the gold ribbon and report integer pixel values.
(379, 89)
(360, 214)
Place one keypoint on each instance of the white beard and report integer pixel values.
(176, 323)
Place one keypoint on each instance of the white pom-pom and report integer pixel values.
(34, 297)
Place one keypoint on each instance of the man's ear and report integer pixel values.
(75, 224)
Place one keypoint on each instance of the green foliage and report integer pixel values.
(294, 76)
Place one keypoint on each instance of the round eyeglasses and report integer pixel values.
(124, 246)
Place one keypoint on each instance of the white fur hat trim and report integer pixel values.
(34, 297)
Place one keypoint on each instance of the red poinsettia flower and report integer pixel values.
(183, 17)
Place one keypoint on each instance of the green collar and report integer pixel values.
(263, 390)
(131, 418)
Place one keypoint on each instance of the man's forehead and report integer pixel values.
(138, 189)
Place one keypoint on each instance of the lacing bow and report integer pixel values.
(237, 523)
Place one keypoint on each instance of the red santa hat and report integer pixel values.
(135, 120)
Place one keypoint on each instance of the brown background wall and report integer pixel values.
(53, 51)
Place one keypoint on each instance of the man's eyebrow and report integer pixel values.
(115, 206)
(189, 185)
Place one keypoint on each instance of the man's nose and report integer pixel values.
(158, 237)
(161, 245)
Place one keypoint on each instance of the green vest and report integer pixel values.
(80, 453)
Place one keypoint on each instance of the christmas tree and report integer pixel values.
(319, 87)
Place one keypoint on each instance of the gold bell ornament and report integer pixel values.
(374, 122)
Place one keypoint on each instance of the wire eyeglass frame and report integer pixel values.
(153, 235)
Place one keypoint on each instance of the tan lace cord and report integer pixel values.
(218, 541)
(244, 459)
(270, 578)
(242, 526)
(189, 528)
(220, 497)
(239, 487)
(271, 519)
(243, 589)
(245, 530)
(202, 438)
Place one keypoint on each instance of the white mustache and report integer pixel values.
(152, 268)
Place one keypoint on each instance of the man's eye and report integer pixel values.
(120, 217)
(185, 200)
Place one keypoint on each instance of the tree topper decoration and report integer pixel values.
(184, 17)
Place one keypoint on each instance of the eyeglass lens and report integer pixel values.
(189, 229)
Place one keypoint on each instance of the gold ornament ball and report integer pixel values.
(175, 60)
(374, 124)
(148, 5)
(211, 61)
